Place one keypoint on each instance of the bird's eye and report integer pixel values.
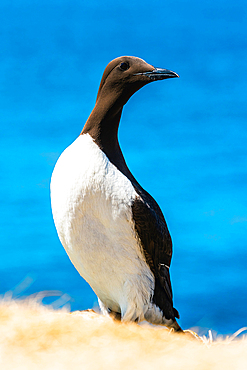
(124, 66)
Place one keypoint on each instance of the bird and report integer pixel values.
(113, 230)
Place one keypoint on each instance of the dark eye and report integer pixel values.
(124, 66)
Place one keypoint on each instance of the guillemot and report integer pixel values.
(113, 231)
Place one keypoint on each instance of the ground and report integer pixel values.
(37, 337)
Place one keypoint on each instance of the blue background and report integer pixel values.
(183, 139)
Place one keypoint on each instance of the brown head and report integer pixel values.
(122, 77)
(125, 75)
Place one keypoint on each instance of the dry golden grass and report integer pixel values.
(37, 337)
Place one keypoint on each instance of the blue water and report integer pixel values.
(185, 140)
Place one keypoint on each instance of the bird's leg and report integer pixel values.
(175, 327)
(115, 315)
(108, 312)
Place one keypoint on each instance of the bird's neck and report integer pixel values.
(102, 125)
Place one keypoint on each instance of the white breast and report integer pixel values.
(91, 204)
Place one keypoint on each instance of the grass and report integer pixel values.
(34, 336)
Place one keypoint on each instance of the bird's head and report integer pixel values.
(125, 75)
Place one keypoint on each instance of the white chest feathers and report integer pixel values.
(91, 204)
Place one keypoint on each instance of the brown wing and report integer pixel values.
(156, 242)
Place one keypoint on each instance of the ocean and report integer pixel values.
(185, 140)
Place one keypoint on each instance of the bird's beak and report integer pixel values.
(159, 74)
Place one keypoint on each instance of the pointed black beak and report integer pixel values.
(159, 74)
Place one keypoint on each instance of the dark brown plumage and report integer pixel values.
(121, 79)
